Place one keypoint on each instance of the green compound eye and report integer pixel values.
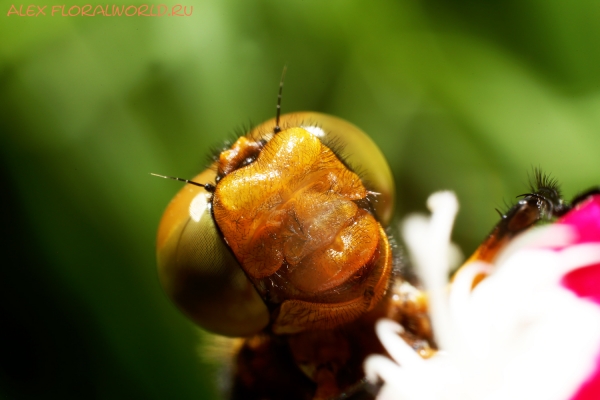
(198, 271)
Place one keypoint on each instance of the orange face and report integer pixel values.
(292, 220)
(301, 224)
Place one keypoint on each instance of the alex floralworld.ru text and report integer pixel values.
(87, 10)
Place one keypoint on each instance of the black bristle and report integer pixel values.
(541, 182)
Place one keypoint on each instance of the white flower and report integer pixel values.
(529, 330)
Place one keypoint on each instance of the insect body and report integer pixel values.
(286, 245)
(544, 202)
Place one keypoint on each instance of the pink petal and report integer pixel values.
(585, 218)
(584, 282)
(590, 390)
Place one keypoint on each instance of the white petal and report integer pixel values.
(388, 332)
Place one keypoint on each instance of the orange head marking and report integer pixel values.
(292, 221)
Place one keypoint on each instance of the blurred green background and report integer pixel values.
(461, 95)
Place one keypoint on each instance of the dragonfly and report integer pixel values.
(284, 242)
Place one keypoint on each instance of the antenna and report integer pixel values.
(207, 186)
(277, 128)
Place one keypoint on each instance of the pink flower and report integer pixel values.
(584, 282)
(529, 330)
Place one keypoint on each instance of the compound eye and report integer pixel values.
(198, 271)
(355, 148)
